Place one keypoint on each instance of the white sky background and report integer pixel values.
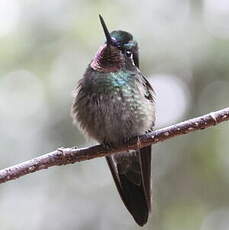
(9, 16)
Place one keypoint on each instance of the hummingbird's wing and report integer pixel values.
(131, 173)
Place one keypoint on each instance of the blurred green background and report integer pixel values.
(45, 47)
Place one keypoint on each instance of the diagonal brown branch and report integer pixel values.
(65, 156)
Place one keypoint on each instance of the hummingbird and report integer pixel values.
(114, 102)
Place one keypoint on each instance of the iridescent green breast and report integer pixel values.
(112, 106)
(114, 81)
(123, 87)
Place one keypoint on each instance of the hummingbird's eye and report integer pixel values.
(128, 53)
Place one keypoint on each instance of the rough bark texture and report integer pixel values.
(63, 156)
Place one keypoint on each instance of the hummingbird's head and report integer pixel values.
(118, 51)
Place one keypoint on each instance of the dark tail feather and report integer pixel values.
(145, 161)
(136, 197)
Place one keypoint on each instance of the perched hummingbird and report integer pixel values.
(113, 103)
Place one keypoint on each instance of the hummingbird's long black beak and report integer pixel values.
(106, 32)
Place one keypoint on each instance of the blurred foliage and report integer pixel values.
(45, 48)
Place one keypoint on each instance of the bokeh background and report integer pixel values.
(45, 47)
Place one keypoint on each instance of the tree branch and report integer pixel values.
(63, 156)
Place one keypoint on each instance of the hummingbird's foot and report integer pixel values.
(107, 145)
(149, 130)
(127, 140)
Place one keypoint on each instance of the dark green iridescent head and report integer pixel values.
(123, 41)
